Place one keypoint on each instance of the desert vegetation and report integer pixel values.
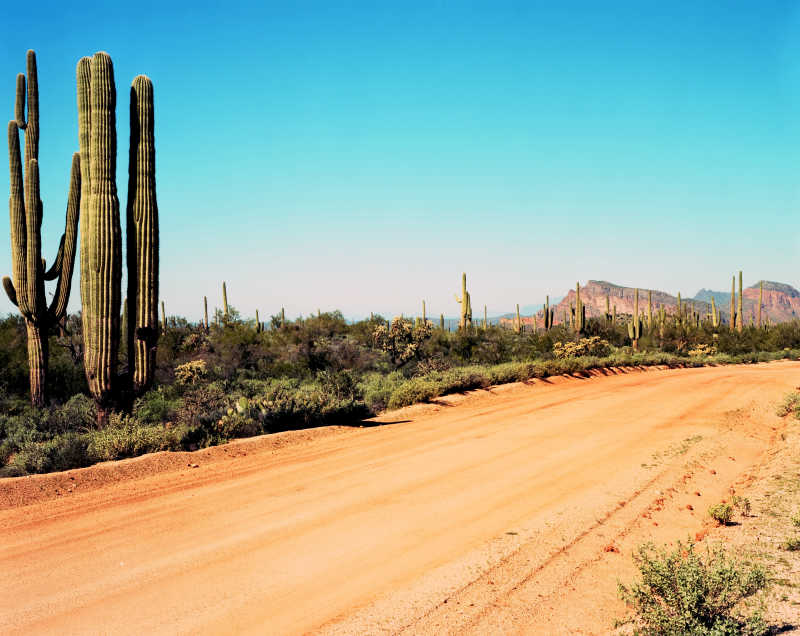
(240, 378)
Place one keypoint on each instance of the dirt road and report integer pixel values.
(506, 511)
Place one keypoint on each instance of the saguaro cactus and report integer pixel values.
(518, 322)
(142, 237)
(26, 291)
(580, 311)
(205, 311)
(740, 313)
(714, 314)
(649, 310)
(424, 318)
(225, 299)
(466, 305)
(733, 303)
(548, 314)
(101, 238)
(485, 319)
(101, 241)
(760, 300)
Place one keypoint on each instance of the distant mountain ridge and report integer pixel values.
(781, 302)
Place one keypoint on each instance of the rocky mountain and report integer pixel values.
(781, 302)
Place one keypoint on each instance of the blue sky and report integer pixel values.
(360, 156)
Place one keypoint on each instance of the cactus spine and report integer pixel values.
(142, 237)
(740, 313)
(760, 300)
(466, 305)
(25, 208)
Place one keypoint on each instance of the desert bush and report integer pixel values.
(191, 372)
(680, 593)
(59, 453)
(742, 504)
(792, 544)
(126, 436)
(591, 346)
(401, 340)
(790, 404)
(155, 407)
(721, 513)
(377, 389)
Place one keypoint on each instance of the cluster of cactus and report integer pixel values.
(466, 305)
(101, 241)
(27, 290)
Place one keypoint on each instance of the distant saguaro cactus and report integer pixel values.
(760, 300)
(650, 310)
(733, 303)
(518, 322)
(225, 299)
(27, 291)
(205, 311)
(466, 305)
(580, 311)
(740, 313)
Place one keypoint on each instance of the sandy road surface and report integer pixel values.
(492, 513)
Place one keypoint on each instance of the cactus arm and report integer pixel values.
(19, 102)
(10, 291)
(69, 241)
(55, 270)
(33, 220)
(32, 129)
(16, 208)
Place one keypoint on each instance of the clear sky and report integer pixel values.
(360, 156)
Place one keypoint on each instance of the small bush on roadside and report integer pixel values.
(721, 513)
(792, 544)
(742, 504)
(680, 593)
(790, 404)
(795, 518)
(125, 436)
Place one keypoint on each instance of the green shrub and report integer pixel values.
(680, 593)
(721, 513)
(125, 436)
(795, 518)
(154, 407)
(790, 404)
(377, 389)
(60, 453)
(792, 544)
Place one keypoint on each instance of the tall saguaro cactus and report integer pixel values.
(142, 237)
(26, 291)
(101, 239)
(733, 303)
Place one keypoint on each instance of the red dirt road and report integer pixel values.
(494, 512)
